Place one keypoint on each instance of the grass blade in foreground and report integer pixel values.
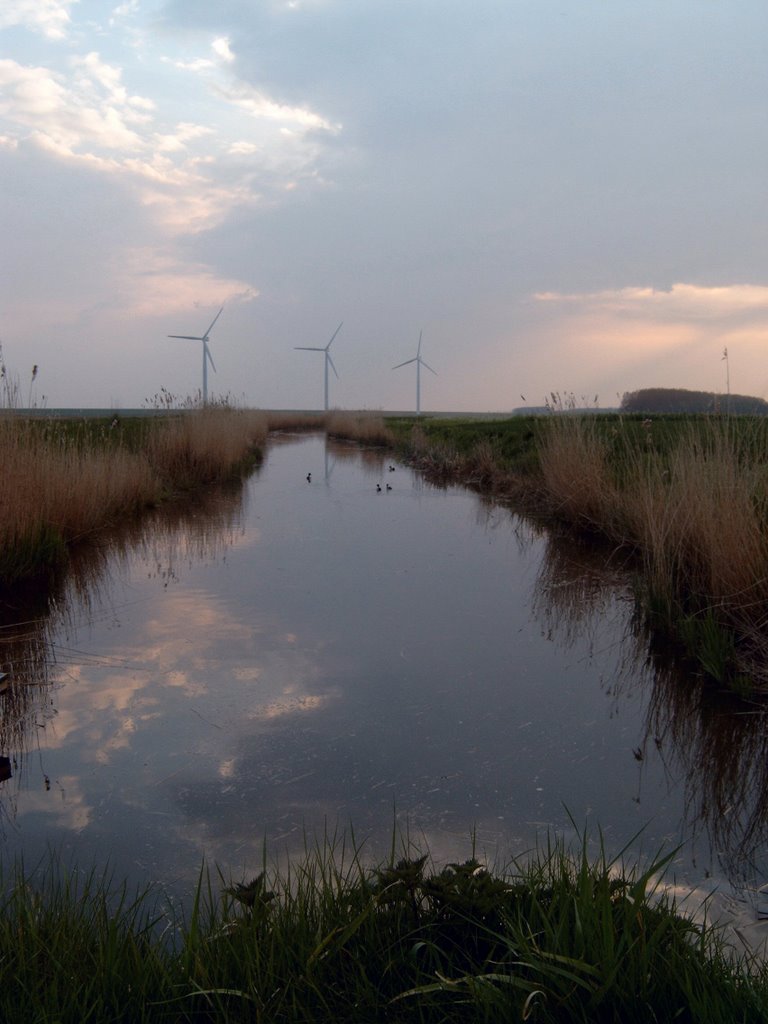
(557, 937)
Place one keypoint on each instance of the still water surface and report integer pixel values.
(301, 655)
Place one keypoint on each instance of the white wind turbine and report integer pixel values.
(328, 360)
(207, 357)
(419, 363)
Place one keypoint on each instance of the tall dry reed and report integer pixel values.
(294, 421)
(700, 515)
(365, 427)
(576, 471)
(59, 488)
(55, 493)
(204, 445)
(694, 508)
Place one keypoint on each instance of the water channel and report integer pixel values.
(295, 655)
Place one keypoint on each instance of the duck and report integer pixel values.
(309, 478)
(378, 488)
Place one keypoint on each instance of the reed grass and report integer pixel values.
(64, 481)
(292, 422)
(696, 512)
(364, 427)
(206, 445)
(554, 937)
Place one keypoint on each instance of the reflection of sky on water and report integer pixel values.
(345, 657)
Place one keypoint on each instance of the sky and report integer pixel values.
(563, 197)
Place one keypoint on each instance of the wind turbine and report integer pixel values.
(328, 360)
(207, 357)
(419, 363)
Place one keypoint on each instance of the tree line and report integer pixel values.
(666, 400)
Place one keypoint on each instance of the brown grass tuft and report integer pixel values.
(59, 488)
(696, 511)
(203, 446)
(363, 427)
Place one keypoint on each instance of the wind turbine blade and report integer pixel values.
(187, 337)
(428, 367)
(210, 359)
(328, 357)
(307, 348)
(334, 335)
(213, 322)
(407, 361)
(418, 350)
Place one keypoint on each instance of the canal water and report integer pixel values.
(349, 653)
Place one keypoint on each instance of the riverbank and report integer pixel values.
(553, 938)
(685, 498)
(64, 480)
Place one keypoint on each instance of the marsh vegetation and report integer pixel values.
(557, 937)
(561, 935)
(64, 480)
(684, 498)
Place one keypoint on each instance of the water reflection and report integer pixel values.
(720, 750)
(41, 627)
(269, 659)
(710, 742)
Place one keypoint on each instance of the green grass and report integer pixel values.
(554, 937)
(517, 440)
(513, 441)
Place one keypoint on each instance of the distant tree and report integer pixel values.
(658, 400)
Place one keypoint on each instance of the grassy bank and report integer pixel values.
(556, 937)
(685, 497)
(65, 480)
(691, 499)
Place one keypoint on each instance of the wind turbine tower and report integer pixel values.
(328, 360)
(207, 357)
(419, 363)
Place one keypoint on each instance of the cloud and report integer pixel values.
(681, 300)
(221, 48)
(222, 54)
(188, 175)
(181, 137)
(243, 148)
(92, 121)
(47, 17)
(624, 338)
(71, 115)
(258, 105)
(124, 10)
(152, 283)
(196, 66)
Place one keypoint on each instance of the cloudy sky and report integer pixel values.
(564, 196)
